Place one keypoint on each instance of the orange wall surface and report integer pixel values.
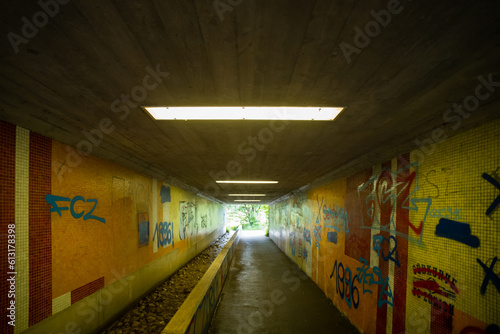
(82, 223)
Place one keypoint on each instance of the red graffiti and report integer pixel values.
(418, 230)
(431, 286)
(435, 301)
(433, 272)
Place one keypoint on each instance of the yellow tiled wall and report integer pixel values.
(85, 250)
(416, 252)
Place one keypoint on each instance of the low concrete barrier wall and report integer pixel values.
(196, 312)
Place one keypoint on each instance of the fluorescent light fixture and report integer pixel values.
(248, 195)
(247, 200)
(246, 113)
(249, 182)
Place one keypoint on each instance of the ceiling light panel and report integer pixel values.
(245, 113)
(248, 195)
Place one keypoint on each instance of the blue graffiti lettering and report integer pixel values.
(164, 234)
(446, 213)
(378, 240)
(345, 281)
(336, 218)
(365, 277)
(52, 200)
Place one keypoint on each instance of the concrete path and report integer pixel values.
(267, 293)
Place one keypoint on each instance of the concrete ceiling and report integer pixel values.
(77, 68)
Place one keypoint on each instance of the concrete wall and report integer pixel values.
(90, 236)
(408, 246)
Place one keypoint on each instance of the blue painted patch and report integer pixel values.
(457, 231)
(143, 233)
(331, 237)
(165, 194)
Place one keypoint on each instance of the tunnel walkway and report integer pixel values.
(267, 293)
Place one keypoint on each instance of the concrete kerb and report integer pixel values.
(186, 317)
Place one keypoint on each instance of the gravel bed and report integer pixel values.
(153, 312)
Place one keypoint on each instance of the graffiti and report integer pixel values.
(365, 277)
(331, 237)
(187, 215)
(429, 278)
(291, 242)
(346, 282)
(457, 231)
(317, 233)
(336, 219)
(165, 194)
(490, 276)
(378, 240)
(307, 236)
(143, 229)
(382, 191)
(302, 252)
(319, 208)
(52, 200)
(491, 329)
(203, 222)
(496, 202)
(164, 234)
(446, 213)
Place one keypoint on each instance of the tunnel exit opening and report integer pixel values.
(251, 217)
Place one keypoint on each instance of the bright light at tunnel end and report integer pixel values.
(249, 182)
(245, 113)
(248, 195)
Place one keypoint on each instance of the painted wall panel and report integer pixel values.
(418, 250)
(83, 223)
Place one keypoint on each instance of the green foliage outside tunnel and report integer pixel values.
(249, 216)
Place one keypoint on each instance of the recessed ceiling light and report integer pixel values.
(245, 113)
(247, 200)
(253, 195)
(246, 181)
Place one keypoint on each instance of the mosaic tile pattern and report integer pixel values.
(61, 302)
(7, 209)
(87, 290)
(22, 229)
(40, 244)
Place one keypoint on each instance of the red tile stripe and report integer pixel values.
(40, 236)
(381, 326)
(7, 210)
(400, 274)
(87, 290)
